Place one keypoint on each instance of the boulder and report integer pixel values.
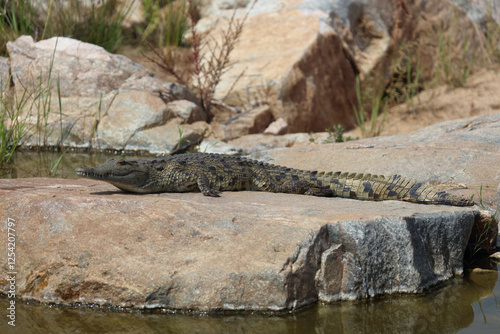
(215, 146)
(290, 52)
(83, 241)
(105, 99)
(174, 136)
(305, 54)
(375, 31)
(251, 121)
(188, 111)
(278, 127)
(82, 69)
(260, 143)
(131, 111)
(167, 91)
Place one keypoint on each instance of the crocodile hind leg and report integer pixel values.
(204, 186)
(263, 181)
(302, 187)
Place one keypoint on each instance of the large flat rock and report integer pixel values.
(460, 156)
(83, 241)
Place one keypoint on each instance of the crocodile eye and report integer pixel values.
(122, 162)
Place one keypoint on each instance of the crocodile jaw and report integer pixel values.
(126, 175)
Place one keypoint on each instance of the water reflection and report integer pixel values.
(448, 309)
(45, 164)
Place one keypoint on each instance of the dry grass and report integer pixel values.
(209, 57)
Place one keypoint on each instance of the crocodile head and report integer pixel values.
(127, 175)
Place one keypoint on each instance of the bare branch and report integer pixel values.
(210, 58)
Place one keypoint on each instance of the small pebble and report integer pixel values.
(483, 271)
(495, 256)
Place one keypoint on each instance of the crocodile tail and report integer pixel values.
(378, 187)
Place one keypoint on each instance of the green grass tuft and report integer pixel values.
(370, 123)
(12, 127)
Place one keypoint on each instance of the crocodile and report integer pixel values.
(213, 173)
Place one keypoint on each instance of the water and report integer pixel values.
(461, 305)
(44, 164)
